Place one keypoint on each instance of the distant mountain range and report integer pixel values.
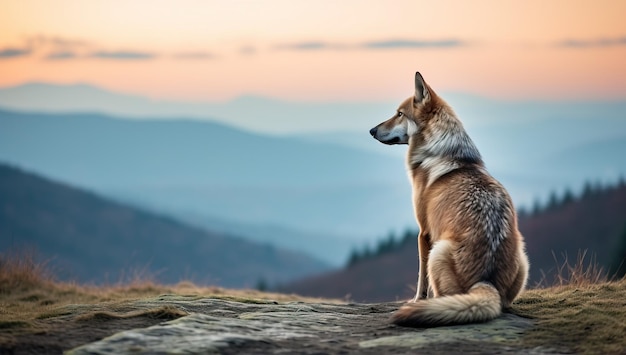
(110, 152)
(198, 170)
(261, 115)
(88, 238)
(299, 174)
(594, 223)
(512, 135)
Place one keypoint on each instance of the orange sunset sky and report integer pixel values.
(204, 50)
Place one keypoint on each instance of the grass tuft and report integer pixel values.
(584, 271)
(21, 270)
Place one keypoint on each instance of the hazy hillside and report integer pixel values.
(89, 238)
(328, 181)
(311, 243)
(516, 138)
(208, 170)
(98, 150)
(595, 222)
(388, 277)
(259, 114)
(531, 156)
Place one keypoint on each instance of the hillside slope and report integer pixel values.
(102, 151)
(594, 222)
(204, 168)
(89, 238)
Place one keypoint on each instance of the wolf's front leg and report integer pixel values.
(423, 248)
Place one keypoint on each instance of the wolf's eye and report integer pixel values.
(399, 114)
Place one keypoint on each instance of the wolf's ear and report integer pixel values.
(421, 90)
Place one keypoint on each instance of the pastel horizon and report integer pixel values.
(323, 51)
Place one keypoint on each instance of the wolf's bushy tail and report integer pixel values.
(480, 304)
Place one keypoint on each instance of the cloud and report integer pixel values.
(65, 42)
(306, 46)
(247, 50)
(594, 43)
(374, 45)
(412, 44)
(61, 55)
(57, 48)
(194, 55)
(122, 55)
(57, 42)
(9, 52)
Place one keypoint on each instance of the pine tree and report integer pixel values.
(409, 236)
(567, 197)
(598, 188)
(261, 284)
(355, 257)
(386, 245)
(588, 190)
(521, 212)
(618, 263)
(553, 202)
(536, 207)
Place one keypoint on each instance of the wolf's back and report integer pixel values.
(480, 304)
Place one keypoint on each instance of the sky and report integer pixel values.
(319, 51)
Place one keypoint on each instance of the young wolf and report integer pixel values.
(471, 253)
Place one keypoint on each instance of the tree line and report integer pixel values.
(591, 190)
(385, 245)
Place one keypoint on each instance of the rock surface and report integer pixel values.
(224, 326)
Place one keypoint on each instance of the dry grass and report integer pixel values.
(584, 271)
(29, 295)
(20, 271)
(584, 310)
(587, 318)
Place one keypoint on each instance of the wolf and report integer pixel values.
(472, 258)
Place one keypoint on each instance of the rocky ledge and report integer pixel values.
(267, 327)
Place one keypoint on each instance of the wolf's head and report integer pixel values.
(410, 117)
(430, 127)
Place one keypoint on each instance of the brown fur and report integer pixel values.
(471, 253)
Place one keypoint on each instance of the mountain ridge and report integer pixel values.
(313, 168)
(289, 117)
(592, 225)
(211, 169)
(92, 239)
